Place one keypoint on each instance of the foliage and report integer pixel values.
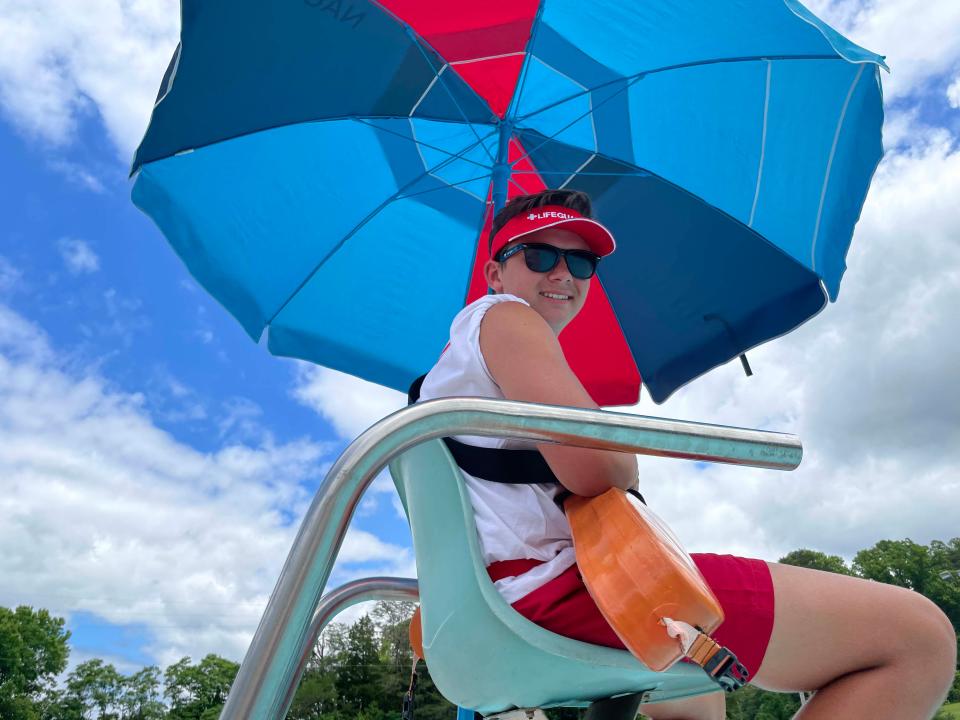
(816, 560)
(33, 650)
(750, 703)
(198, 692)
(948, 712)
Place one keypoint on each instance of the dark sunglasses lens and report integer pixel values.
(541, 259)
(581, 265)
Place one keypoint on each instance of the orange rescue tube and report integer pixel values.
(638, 573)
(416, 634)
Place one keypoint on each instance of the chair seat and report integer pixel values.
(482, 654)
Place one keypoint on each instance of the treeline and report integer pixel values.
(356, 672)
(361, 671)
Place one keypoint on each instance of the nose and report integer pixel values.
(560, 271)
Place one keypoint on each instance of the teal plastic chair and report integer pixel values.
(481, 653)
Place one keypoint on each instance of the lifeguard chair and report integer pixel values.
(482, 655)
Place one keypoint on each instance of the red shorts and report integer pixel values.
(742, 586)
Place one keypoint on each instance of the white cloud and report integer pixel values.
(78, 256)
(953, 93)
(870, 386)
(78, 175)
(9, 276)
(349, 403)
(106, 513)
(918, 37)
(64, 60)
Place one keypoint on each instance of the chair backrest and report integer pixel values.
(482, 654)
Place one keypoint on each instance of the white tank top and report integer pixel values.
(513, 521)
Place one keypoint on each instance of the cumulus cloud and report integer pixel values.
(918, 37)
(62, 61)
(105, 513)
(9, 276)
(78, 175)
(349, 403)
(953, 94)
(352, 405)
(78, 256)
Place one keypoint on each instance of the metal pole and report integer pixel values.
(501, 168)
(338, 600)
(260, 689)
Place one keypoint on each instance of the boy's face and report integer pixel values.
(556, 294)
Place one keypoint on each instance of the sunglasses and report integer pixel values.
(542, 258)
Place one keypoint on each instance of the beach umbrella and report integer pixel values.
(327, 168)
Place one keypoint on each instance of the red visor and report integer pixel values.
(598, 238)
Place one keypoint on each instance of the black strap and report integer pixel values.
(512, 467)
(500, 465)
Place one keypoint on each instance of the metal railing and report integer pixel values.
(282, 643)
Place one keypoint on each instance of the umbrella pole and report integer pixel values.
(501, 168)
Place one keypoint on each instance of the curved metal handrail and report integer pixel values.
(338, 600)
(259, 690)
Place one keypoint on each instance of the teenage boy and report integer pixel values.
(868, 650)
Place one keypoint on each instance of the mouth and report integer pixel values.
(559, 297)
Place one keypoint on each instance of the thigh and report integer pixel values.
(828, 625)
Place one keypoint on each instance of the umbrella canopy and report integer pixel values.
(327, 169)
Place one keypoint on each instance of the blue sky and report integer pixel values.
(155, 462)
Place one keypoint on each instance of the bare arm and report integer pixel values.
(526, 361)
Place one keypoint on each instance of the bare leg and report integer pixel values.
(869, 650)
(702, 707)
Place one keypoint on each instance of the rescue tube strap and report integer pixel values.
(408, 697)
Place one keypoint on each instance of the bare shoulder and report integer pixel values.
(512, 319)
(511, 331)
(525, 359)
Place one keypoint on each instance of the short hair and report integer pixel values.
(573, 199)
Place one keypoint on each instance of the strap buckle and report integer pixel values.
(728, 672)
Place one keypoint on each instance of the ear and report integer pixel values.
(492, 274)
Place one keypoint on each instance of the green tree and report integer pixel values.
(918, 567)
(897, 562)
(751, 703)
(316, 694)
(198, 692)
(141, 697)
(816, 560)
(94, 688)
(393, 626)
(33, 651)
(359, 674)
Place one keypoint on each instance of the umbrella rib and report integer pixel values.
(356, 228)
(636, 173)
(443, 84)
(279, 126)
(826, 177)
(420, 42)
(763, 144)
(525, 70)
(592, 109)
(603, 156)
(417, 141)
(446, 185)
(678, 66)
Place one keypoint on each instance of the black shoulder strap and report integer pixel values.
(513, 467)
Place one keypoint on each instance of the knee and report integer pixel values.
(930, 639)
